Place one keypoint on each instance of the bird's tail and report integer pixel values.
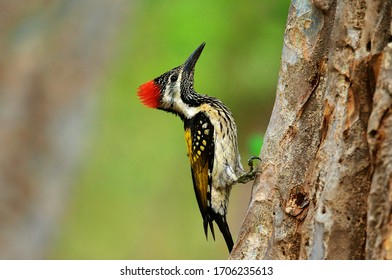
(224, 228)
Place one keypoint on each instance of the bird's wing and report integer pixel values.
(199, 136)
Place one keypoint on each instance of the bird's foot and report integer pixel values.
(251, 173)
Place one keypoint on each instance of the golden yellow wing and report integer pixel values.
(199, 137)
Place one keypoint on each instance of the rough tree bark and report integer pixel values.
(325, 188)
(52, 57)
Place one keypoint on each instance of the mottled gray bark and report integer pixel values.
(52, 56)
(325, 191)
(379, 228)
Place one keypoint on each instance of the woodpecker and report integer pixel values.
(211, 140)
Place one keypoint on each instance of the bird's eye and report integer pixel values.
(173, 78)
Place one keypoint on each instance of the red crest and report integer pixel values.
(149, 94)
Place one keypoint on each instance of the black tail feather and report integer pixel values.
(224, 228)
(208, 222)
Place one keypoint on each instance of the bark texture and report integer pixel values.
(52, 56)
(325, 188)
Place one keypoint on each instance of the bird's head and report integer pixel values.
(173, 91)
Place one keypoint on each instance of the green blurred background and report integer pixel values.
(133, 198)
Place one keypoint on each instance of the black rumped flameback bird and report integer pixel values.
(211, 140)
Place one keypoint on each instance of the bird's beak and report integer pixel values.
(190, 63)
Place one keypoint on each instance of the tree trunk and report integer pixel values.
(325, 187)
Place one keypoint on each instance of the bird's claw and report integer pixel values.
(251, 174)
(250, 163)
